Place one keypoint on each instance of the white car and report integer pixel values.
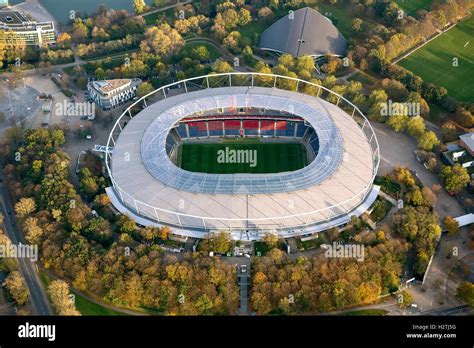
(243, 269)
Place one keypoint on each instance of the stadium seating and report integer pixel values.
(301, 129)
(170, 143)
(267, 128)
(215, 128)
(181, 130)
(252, 125)
(232, 127)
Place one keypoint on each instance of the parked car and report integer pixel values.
(243, 269)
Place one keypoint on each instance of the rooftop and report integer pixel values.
(16, 21)
(12, 17)
(468, 139)
(304, 32)
(108, 86)
(149, 182)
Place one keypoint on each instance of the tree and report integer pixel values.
(455, 178)
(218, 242)
(271, 240)
(428, 140)
(62, 303)
(200, 53)
(244, 17)
(305, 67)
(398, 122)
(416, 126)
(357, 24)
(139, 6)
(126, 224)
(452, 225)
(405, 299)
(16, 287)
(162, 40)
(25, 207)
(377, 100)
(465, 293)
(33, 231)
(144, 88)
(429, 196)
(221, 66)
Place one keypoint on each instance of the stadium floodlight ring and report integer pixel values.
(321, 200)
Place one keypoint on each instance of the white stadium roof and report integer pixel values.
(334, 185)
(159, 165)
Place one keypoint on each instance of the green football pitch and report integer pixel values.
(242, 156)
(434, 61)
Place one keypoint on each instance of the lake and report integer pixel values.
(60, 8)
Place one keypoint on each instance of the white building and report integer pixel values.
(19, 29)
(109, 94)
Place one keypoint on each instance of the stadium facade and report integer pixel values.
(337, 182)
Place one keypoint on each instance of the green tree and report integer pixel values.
(244, 17)
(398, 122)
(126, 224)
(162, 40)
(405, 299)
(416, 126)
(428, 140)
(452, 225)
(88, 185)
(221, 66)
(377, 100)
(144, 88)
(455, 178)
(139, 6)
(200, 53)
(357, 24)
(465, 293)
(271, 240)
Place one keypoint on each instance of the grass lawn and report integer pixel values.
(213, 52)
(366, 79)
(248, 31)
(434, 61)
(436, 113)
(90, 308)
(312, 243)
(411, 7)
(381, 209)
(342, 17)
(83, 305)
(389, 187)
(262, 157)
(366, 312)
(261, 248)
(151, 18)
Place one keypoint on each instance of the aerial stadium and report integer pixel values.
(246, 153)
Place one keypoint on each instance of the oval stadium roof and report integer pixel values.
(304, 32)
